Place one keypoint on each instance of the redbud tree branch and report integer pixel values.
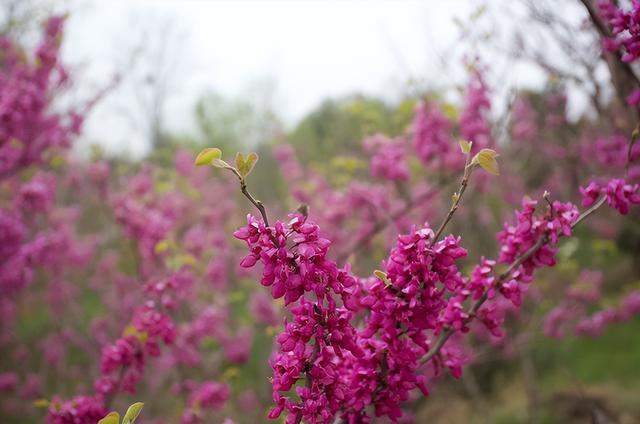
(619, 65)
(260, 206)
(544, 239)
(257, 203)
(457, 196)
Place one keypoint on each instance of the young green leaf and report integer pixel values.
(245, 165)
(239, 161)
(132, 413)
(41, 403)
(380, 274)
(486, 158)
(207, 156)
(111, 418)
(250, 161)
(161, 246)
(465, 146)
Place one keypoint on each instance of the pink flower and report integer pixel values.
(625, 25)
(79, 410)
(634, 98)
(620, 195)
(590, 194)
(433, 142)
(474, 122)
(8, 381)
(389, 158)
(263, 309)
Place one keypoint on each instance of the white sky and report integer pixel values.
(309, 50)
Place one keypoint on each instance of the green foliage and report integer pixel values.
(337, 127)
(233, 124)
(111, 418)
(486, 159)
(380, 274)
(465, 146)
(207, 156)
(132, 413)
(129, 417)
(244, 165)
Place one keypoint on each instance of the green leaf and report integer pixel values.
(41, 403)
(207, 156)
(486, 158)
(465, 146)
(111, 418)
(251, 161)
(132, 413)
(239, 161)
(380, 274)
(245, 165)
(161, 246)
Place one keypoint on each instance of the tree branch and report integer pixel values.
(468, 168)
(544, 239)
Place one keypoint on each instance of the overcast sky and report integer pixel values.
(307, 50)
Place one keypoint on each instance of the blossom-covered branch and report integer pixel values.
(473, 310)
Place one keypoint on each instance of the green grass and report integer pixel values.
(611, 358)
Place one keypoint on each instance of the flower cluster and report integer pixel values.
(418, 296)
(388, 159)
(515, 240)
(620, 194)
(474, 122)
(432, 138)
(625, 29)
(572, 315)
(122, 363)
(594, 324)
(262, 308)
(29, 131)
(524, 121)
(80, 410)
(611, 152)
(297, 269)
(142, 216)
(625, 26)
(210, 395)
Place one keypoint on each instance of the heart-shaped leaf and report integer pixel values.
(245, 165)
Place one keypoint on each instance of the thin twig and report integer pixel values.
(257, 203)
(456, 198)
(605, 33)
